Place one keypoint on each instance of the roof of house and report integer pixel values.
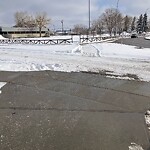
(18, 29)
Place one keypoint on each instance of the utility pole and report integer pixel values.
(117, 16)
(89, 15)
(62, 23)
(117, 4)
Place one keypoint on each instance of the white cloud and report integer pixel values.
(71, 11)
(133, 7)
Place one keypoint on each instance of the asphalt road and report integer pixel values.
(72, 111)
(139, 42)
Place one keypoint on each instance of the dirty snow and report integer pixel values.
(135, 146)
(147, 119)
(147, 37)
(116, 58)
(1, 85)
(1, 37)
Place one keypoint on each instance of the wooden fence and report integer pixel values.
(90, 39)
(82, 40)
(37, 41)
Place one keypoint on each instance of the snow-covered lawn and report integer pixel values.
(116, 59)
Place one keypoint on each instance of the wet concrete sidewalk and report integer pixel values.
(72, 111)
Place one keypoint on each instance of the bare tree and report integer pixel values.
(30, 22)
(98, 26)
(23, 19)
(119, 24)
(80, 29)
(112, 19)
(20, 19)
(127, 23)
(109, 18)
(42, 21)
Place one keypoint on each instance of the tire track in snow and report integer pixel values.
(99, 52)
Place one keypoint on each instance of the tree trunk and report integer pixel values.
(40, 30)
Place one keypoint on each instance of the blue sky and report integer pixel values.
(71, 11)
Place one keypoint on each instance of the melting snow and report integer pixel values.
(135, 146)
(147, 119)
(1, 85)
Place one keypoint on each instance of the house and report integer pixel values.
(16, 32)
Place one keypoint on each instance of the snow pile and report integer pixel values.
(125, 34)
(1, 85)
(105, 35)
(1, 37)
(147, 37)
(147, 119)
(135, 146)
(96, 57)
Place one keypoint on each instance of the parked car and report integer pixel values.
(134, 35)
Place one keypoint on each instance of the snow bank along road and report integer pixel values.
(68, 111)
(114, 60)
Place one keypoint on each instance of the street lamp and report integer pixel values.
(62, 23)
(117, 4)
(117, 15)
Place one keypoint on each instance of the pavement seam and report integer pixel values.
(71, 110)
(121, 91)
(35, 87)
(102, 87)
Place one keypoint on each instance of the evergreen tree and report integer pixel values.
(133, 24)
(145, 24)
(140, 24)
